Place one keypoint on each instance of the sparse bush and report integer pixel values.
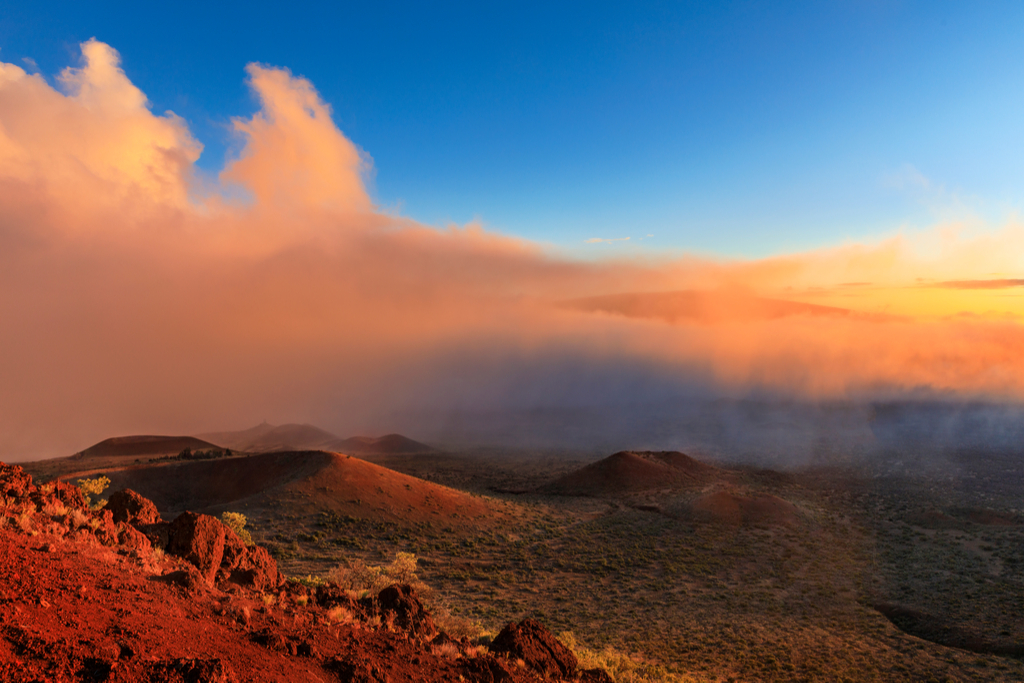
(619, 666)
(446, 650)
(94, 487)
(25, 521)
(236, 521)
(340, 615)
(79, 518)
(310, 580)
(363, 579)
(55, 508)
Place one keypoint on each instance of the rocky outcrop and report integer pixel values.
(131, 508)
(531, 642)
(400, 605)
(199, 540)
(256, 569)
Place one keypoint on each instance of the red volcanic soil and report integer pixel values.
(630, 471)
(85, 597)
(754, 509)
(314, 479)
(144, 445)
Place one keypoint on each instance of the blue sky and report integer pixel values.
(736, 129)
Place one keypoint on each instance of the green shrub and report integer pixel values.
(236, 521)
(361, 578)
(94, 487)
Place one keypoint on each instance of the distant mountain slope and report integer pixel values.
(295, 437)
(135, 446)
(266, 437)
(629, 471)
(389, 444)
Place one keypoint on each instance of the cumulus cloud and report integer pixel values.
(136, 297)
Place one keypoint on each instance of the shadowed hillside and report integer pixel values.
(135, 446)
(304, 482)
(629, 471)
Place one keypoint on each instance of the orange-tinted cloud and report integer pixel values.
(135, 298)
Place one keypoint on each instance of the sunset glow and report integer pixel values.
(278, 285)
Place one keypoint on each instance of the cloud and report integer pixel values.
(981, 284)
(137, 296)
(603, 240)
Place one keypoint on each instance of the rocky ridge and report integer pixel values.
(121, 595)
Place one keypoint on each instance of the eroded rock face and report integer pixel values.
(234, 552)
(401, 601)
(131, 508)
(256, 569)
(199, 540)
(530, 641)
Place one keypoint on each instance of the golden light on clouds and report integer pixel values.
(136, 298)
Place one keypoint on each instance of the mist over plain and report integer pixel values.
(138, 296)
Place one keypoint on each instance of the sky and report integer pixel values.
(739, 129)
(210, 217)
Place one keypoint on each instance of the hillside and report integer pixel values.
(631, 471)
(185, 601)
(302, 482)
(136, 446)
(296, 437)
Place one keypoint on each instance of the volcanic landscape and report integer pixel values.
(385, 559)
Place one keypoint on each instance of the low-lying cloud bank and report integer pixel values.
(135, 296)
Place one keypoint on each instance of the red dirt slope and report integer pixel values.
(312, 479)
(631, 471)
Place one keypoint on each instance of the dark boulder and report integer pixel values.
(534, 644)
(400, 603)
(131, 508)
(198, 539)
(256, 569)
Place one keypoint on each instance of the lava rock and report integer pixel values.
(199, 540)
(257, 569)
(132, 539)
(131, 508)
(530, 641)
(409, 614)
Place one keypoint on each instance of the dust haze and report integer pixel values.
(139, 296)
